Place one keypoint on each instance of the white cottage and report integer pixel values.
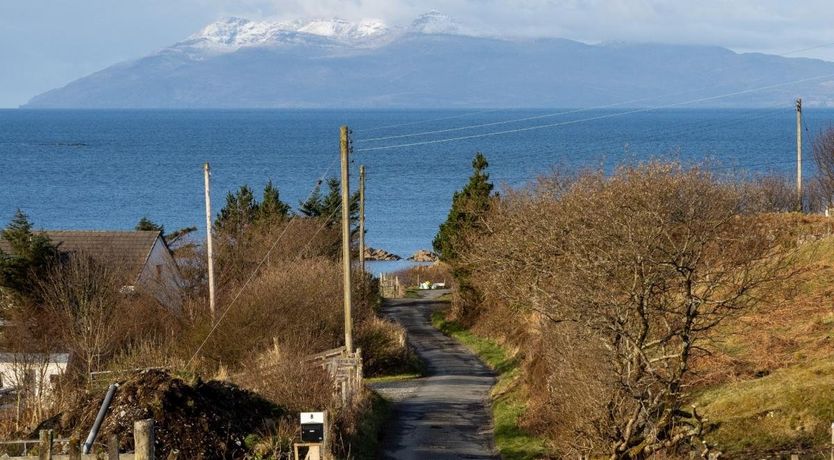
(31, 373)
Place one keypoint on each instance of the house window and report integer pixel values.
(159, 271)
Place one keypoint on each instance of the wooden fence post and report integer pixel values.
(113, 447)
(143, 438)
(45, 450)
(74, 449)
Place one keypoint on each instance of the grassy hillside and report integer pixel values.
(768, 386)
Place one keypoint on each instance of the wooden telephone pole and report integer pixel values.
(799, 154)
(362, 220)
(207, 173)
(344, 148)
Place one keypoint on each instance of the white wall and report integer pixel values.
(40, 367)
(161, 278)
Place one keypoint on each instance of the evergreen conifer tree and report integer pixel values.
(239, 212)
(469, 205)
(329, 206)
(271, 208)
(146, 224)
(30, 256)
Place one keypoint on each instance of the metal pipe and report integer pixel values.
(91, 438)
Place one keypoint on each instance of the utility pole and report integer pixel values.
(362, 219)
(799, 154)
(344, 149)
(207, 173)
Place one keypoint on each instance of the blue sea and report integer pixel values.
(105, 169)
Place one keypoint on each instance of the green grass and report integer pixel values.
(789, 410)
(447, 297)
(365, 443)
(508, 398)
(394, 378)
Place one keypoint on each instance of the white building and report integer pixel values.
(31, 373)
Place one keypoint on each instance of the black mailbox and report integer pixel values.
(312, 427)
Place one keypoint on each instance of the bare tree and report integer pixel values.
(629, 273)
(83, 297)
(770, 193)
(824, 158)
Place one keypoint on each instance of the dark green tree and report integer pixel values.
(238, 213)
(271, 208)
(329, 206)
(146, 224)
(469, 205)
(171, 239)
(30, 255)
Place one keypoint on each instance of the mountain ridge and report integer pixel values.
(433, 62)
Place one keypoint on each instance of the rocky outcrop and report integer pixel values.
(423, 256)
(380, 254)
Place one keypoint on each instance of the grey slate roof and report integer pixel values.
(125, 250)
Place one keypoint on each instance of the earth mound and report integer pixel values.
(200, 421)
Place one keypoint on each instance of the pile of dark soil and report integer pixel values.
(201, 421)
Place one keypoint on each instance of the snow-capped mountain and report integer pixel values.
(233, 33)
(238, 32)
(433, 62)
(435, 22)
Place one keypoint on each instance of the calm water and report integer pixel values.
(106, 169)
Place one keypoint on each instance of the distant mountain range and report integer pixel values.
(434, 63)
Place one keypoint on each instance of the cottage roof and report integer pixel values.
(126, 250)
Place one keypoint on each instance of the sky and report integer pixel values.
(48, 43)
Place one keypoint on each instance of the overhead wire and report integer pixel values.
(603, 144)
(263, 260)
(504, 122)
(599, 117)
(397, 125)
(430, 120)
(535, 117)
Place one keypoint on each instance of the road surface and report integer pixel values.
(445, 415)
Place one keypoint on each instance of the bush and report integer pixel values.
(617, 281)
(384, 348)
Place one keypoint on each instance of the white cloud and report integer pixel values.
(747, 25)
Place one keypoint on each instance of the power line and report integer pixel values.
(825, 45)
(680, 93)
(517, 120)
(664, 133)
(600, 117)
(430, 120)
(504, 122)
(264, 259)
(378, 128)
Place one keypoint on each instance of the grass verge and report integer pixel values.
(365, 444)
(508, 397)
(394, 378)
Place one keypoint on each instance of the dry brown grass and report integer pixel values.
(384, 348)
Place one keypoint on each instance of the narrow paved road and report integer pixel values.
(446, 414)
